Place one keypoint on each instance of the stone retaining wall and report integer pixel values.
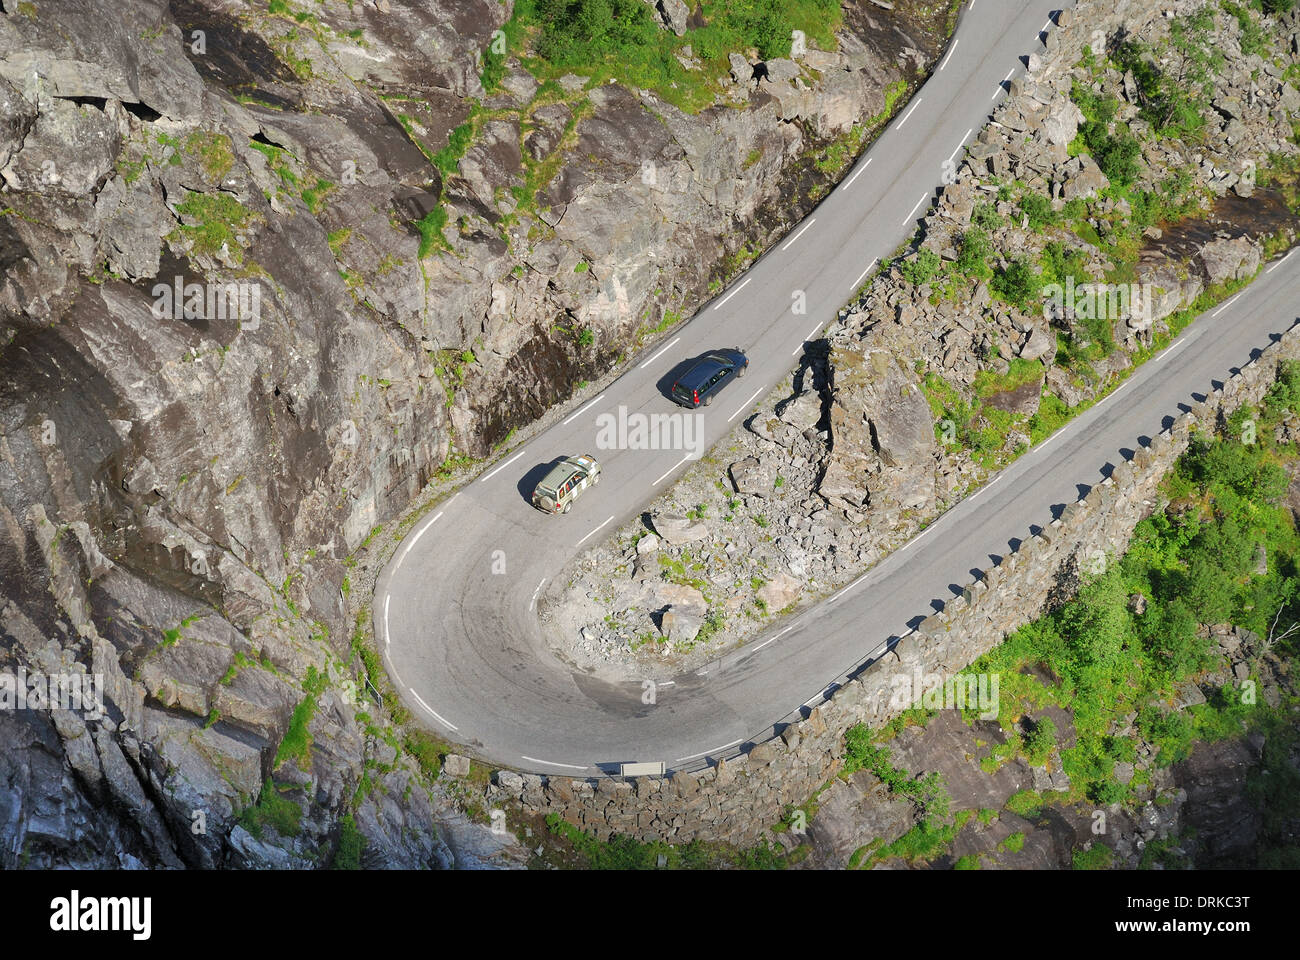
(736, 800)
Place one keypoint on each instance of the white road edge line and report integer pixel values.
(695, 756)
(387, 599)
(535, 593)
(441, 719)
(415, 539)
(1225, 306)
(847, 589)
(962, 144)
(863, 274)
(552, 763)
(950, 50)
(671, 469)
(786, 245)
(821, 696)
(583, 410)
(770, 639)
(579, 543)
(1280, 262)
(660, 353)
(912, 215)
(502, 467)
(858, 174)
(743, 408)
(908, 114)
(735, 290)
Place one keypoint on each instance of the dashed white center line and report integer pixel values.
(743, 408)
(593, 532)
(552, 763)
(960, 145)
(502, 467)
(857, 174)
(908, 114)
(735, 290)
(695, 756)
(1224, 307)
(786, 245)
(440, 719)
(661, 352)
(583, 410)
(950, 50)
(1280, 262)
(670, 470)
(910, 216)
(864, 273)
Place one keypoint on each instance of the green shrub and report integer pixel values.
(922, 269)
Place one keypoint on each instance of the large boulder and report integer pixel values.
(1084, 178)
(1061, 124)
(676, 529)
(1234, 259)
(781, 591)
(753, 476)
(680, 626)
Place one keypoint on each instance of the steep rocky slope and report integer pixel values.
(395, 267)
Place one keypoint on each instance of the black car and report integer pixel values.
(711, 373)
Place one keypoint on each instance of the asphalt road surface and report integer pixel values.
(464, 645)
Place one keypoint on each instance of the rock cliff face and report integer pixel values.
(261, 274)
